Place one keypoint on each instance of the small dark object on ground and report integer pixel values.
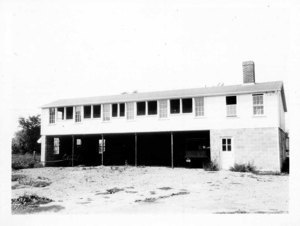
(153, 199)
(243, 168)
(114, 190)
(211, 166)
(165, 188)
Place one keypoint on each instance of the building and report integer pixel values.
(226, 124)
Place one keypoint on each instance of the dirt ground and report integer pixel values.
(106, 189)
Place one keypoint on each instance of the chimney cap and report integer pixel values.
(248, 62)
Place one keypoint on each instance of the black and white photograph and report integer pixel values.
(181, 110)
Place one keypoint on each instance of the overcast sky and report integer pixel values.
(62, 49)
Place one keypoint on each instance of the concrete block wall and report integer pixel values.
(259, 146)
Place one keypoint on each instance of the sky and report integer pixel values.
(64, 49)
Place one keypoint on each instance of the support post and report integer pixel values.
(172, 154)
(102, 150)
(72, 150)
(135, 149)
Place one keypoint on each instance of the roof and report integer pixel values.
(181, 93)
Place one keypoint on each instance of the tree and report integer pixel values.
(26, 139)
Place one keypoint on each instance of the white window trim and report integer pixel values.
(263, 105)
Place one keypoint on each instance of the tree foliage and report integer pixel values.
(25, 140)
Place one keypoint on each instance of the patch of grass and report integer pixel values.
(153, 199)
(29, 200)
(20, 161)
(17, 177)
(211, 166)
(243, 168)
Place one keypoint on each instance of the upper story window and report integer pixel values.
(106, 112)
(141, 108)
(69, 112)
(51, 115)
(199, 106)
(187, 105)
(130, 110)
(175, 106)
(152, 107)
(258, 104)
(78, 114)
(60, 113)
(114, 110)
(96, 111)
(122, 109)
(87, 110)
(163, 108)
(231, 105)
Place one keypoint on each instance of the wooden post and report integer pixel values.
(72, 150)
(102, 151)
(172, 156)
(135, 149)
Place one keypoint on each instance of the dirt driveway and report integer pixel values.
(151, 190)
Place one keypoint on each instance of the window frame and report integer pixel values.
(112, 110)
(52, 115)
(93, 108)
(179, 106)
(130, 111)
(124, 110)
(231, 109)
(148, 107)
(78, 114)
(182, 106)
(56, 145)
(84, 107)
(199, 106)
(258, 105)
(72, 108)
(227, 144)
(137, 108)
(163, 109)
(106, 112)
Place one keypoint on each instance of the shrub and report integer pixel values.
(243, 168)
(211, 166)
(20, 161)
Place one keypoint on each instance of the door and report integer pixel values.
(227, 155)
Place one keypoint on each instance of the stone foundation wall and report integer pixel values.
(259, 146)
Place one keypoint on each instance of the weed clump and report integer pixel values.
(211, 166)
(246, 168)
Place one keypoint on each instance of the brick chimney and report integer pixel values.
(248, 72)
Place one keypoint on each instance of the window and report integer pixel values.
(258, 104)
(152, 107)
(106, 112)
(96, 111)
(114, 110)
(51, 115)
(187, 105)
(87, 111)
(163, 108)
(69, 112)
(226, 144)
(78, 114)
(60, 113)
(130, 110)
(122, 110)
(231, 106)
(199, 106)
(78, 142)
(56, 146)
(141, 108)
(101, 146)
(175, 106)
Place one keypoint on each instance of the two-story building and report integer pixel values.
(226, 124)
